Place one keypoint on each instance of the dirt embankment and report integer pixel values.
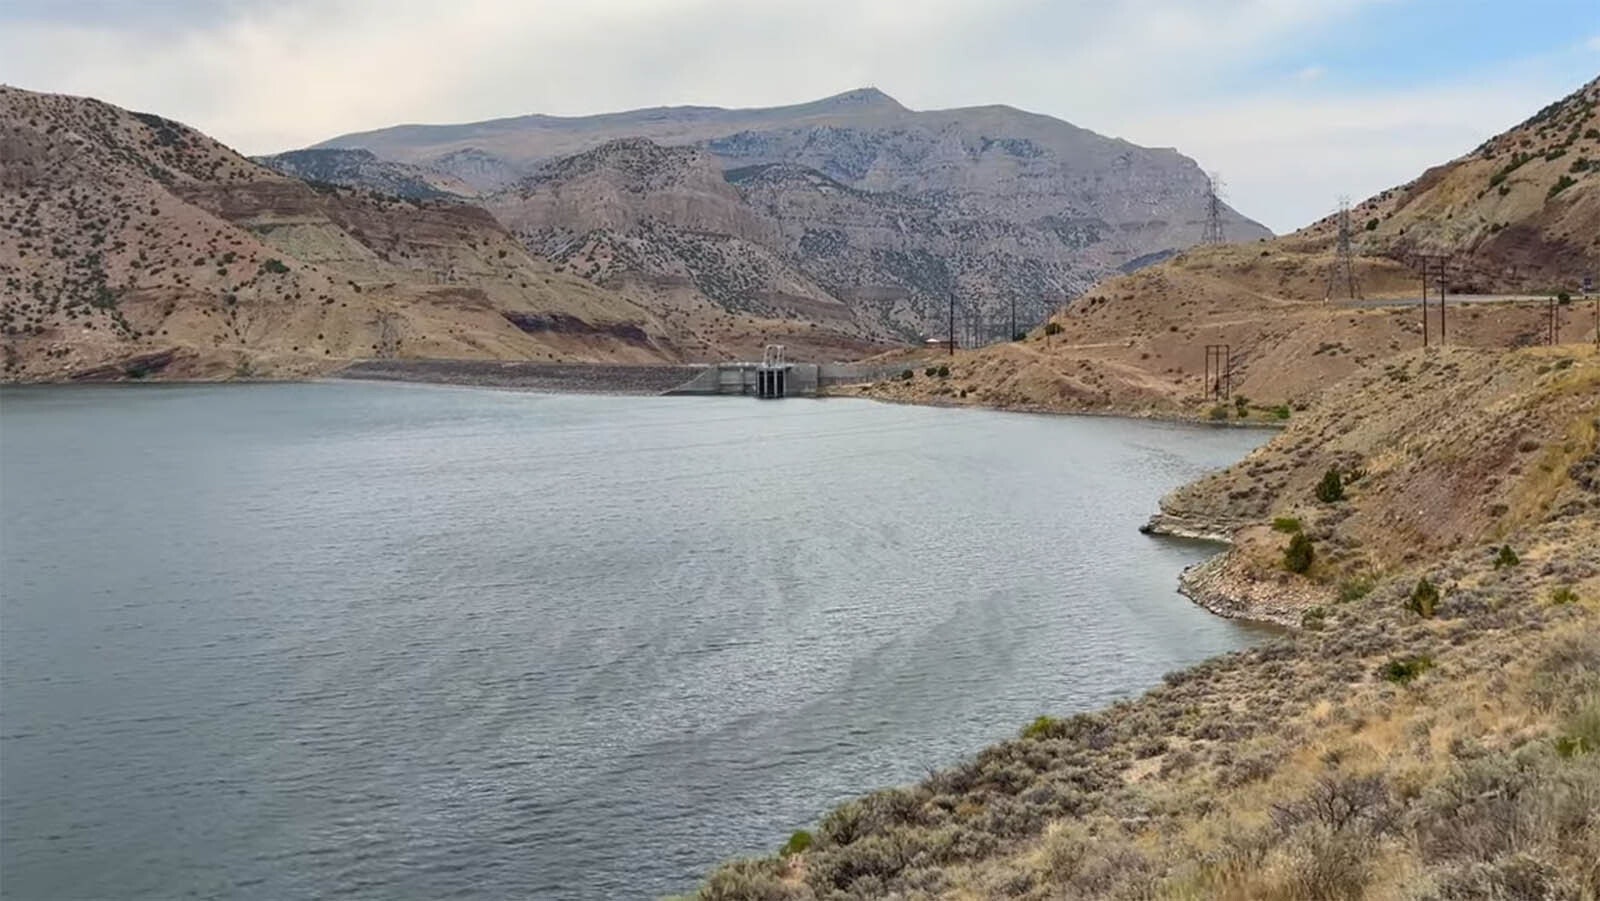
(1431, 729)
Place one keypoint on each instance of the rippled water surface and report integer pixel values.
(290, 641)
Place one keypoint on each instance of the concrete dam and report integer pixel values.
(770, 378)
(786, 380)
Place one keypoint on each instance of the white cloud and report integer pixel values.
(1161, 72)
(1311, 73)
(1593, 43)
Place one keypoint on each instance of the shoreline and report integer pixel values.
(624, 379)
(1140, 415)
(1211, 783)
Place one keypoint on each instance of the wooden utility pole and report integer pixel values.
(1427, 260)
(1219, 371)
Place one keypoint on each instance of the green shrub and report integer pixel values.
(1043, 727)
(1052, 328)
(1563, 595)
(275, 266)
(930, 371)
(943, 372)
(907, 375)
(1355, 588)
(1281, 411)
(1298, 555)
(1562, 183)
(1331, 489)
(1314, 619)
(1286, 524)
(798, 842)
(1506, 557)
(1372, 225)
(1404, 669)
(1219, 412)
(1563, 298)
(1424, 598)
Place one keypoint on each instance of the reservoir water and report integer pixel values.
(392, 642)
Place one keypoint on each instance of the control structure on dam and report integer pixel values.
(775, 377)
(772, 375)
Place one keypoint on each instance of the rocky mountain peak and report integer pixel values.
(861, 99)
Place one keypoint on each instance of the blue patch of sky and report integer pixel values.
(1419, 42)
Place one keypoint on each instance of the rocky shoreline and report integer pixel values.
(1225, 584)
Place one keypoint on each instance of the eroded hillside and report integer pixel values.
(1519, 213)
(133, 246)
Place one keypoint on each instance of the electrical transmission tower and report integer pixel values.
(1342, 274)
(1213, 232)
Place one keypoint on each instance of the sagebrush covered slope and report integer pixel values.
(1378, 751)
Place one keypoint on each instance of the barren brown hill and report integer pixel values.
(133, 246)
(1519, 213)
(130, 244)
(1137, 343)
(1402, 742)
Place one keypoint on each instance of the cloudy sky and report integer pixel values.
(1296, 102)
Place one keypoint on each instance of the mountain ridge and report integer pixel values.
(1004, 209)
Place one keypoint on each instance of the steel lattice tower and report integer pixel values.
(1343, 270)
(1213, 231)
